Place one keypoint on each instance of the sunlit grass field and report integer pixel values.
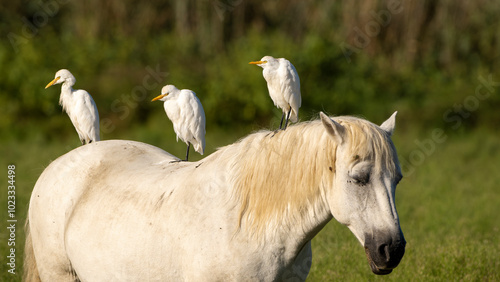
(448, 207)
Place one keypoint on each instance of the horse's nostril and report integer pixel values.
(384, 252)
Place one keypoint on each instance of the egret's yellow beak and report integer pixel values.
(257, 62)
(159, 97)
(52, 82)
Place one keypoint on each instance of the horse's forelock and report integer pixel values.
(368, 142)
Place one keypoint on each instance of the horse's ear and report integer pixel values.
(389, 125)
(334, 128)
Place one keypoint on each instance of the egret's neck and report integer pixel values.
(66, 91)
(269, 74)
(67, 86)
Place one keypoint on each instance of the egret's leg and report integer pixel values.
(282, 116)
(187, 155)
(187, 151)
(287, 118)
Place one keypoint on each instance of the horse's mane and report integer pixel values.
(281, 174)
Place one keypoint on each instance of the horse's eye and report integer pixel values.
(360, 173)
(361, 179)
(399, 178)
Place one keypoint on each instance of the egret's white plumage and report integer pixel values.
(185, 111)
(284, 86)
(79, 106)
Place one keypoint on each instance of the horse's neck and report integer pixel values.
(279, 192)
(303, 226)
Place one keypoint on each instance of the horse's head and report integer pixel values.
(362, 195)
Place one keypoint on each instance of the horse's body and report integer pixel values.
(120, 211)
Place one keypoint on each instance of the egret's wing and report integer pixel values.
(272, 85)
(86, 115)
(69, 104)
(290, 87)
(195, 119)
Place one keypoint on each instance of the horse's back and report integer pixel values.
(70, 182)
(88, 165)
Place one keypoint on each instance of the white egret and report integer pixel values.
(284, 86)
(185, 111)
(79, 106)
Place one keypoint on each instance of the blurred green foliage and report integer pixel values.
(365, 58)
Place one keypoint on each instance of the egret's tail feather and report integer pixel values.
(294, 116)
(198, 148)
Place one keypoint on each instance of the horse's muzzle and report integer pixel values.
(384, 252)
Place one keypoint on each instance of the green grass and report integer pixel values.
(448, 208)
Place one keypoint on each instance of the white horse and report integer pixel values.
(121, 211)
